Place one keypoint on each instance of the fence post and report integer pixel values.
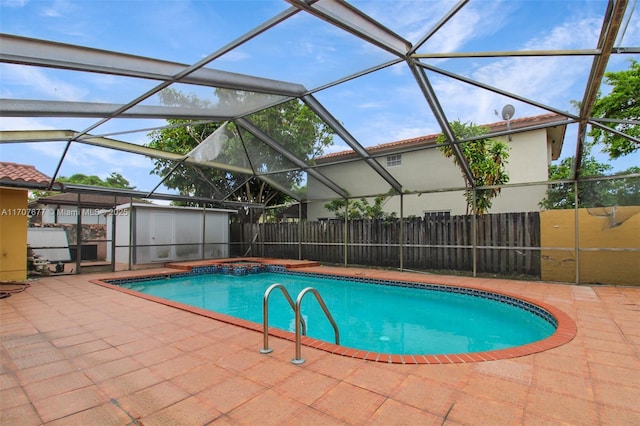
(132, 239)
(300, 229)
(576, 229)
(474, 231)
(264, 208)
(478, 243)
(401, 248)
(113, 234)
(204, 230)
(78, 258)
(346, 231)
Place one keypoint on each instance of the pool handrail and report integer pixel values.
(298, 359)
(265, 316)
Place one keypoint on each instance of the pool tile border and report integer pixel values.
(566, 328)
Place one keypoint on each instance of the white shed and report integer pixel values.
(147, 233)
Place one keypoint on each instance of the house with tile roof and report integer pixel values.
(433, 183)
(64, 208)
(15, 179)
(22, 175)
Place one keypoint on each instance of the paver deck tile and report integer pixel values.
(73, 353)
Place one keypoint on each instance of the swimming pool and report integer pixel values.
(373, 316)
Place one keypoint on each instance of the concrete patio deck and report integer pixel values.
(75, 353)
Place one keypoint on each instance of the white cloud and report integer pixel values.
(21, 123)
(50, 150)
(414, 19)
(552, 81)
(92, 157)
(57, 8)
(456, 32)
(13, 3)
(338, 147)
(39, 83)
(236, 55)
(410, 19)
(371, 105)
(581, 33)
(51, 12)
(402, 133)
(630, 31)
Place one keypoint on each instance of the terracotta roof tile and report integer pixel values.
(430, 139)
(13, 172)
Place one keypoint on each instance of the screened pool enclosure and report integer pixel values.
(280, 112)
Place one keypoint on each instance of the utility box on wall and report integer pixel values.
(147, 233)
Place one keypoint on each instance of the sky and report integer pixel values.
(380, 107)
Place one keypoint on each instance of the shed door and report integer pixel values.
(162, 236)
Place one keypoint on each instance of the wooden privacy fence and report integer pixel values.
(507, 243)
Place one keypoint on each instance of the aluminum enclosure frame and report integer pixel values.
(341, 17)
(31, 52)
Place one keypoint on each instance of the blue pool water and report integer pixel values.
(371, 317)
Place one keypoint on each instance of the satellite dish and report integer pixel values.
(508, 111)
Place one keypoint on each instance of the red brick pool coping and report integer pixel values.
(565, 330)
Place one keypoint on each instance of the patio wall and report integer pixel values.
(13, 234)
(609, 246)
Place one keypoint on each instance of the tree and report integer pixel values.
(114, 180)
(626, 191)
(360, 209)
(591, 193)
(487, 162)
(622, 103)
(562, 195)
(291, 124)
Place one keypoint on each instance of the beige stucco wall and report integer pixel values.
(529, 157)
(13, 234)
(428, 169)
(595, 266)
